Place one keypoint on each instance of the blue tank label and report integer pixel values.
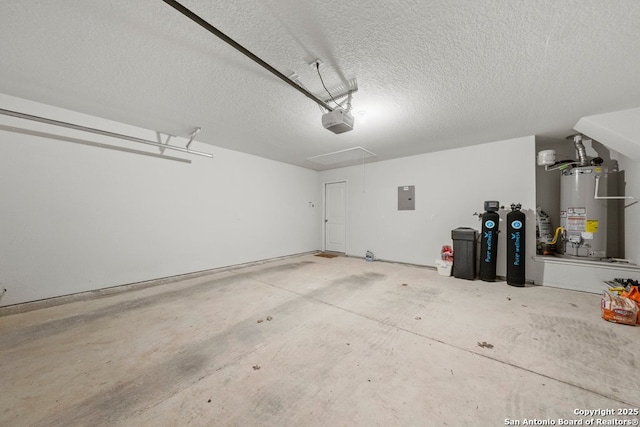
(488, 241)
(517, 225)
(489, 224)
(515, 237)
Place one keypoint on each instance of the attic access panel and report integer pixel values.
(343, 157)
(407, 198)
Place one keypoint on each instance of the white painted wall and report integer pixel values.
(450, 186)
(631, 170)
(75, 217)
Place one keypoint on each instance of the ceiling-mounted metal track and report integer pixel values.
(216, 32)
(101, 132)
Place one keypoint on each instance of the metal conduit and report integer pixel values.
(100, 132)
(216, 32)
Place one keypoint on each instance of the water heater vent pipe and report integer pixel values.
(582, 152)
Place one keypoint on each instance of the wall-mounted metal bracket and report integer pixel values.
(193, 135)
(165, 143)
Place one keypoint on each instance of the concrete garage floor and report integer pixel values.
(348, 343)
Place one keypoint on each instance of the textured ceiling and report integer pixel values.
(432, 74)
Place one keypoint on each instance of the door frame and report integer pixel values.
(324, 212)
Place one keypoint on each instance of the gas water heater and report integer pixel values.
(582, 216)
(583, 205)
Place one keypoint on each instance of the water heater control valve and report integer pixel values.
(575, 239)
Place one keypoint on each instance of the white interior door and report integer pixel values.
(335, 217)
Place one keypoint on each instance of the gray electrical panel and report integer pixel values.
(407, 198)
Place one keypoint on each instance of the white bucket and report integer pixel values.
(444, 267)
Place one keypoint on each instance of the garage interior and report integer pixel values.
(165, 197)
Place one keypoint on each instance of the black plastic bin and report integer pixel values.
(464, 252)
